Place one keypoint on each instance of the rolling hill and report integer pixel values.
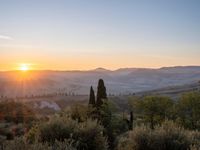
(121, 81)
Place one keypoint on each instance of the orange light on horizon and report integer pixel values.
(24, 67)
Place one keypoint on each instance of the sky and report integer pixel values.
(86, 34)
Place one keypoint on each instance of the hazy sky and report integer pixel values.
(85, 34)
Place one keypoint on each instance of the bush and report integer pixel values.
(195, 138)
(20, 144)
(113, 123)
(16, 112)
(170, 136)
(79, 112)
(89, 136)
(166, 137)
(152, 110)
(86, 135)
(56, 129)
(188, 110)
(138, 139)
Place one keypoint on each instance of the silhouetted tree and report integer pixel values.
(131, 121)
(92, 97)
(101, 93)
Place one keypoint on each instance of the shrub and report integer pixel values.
(188, 110)
(113, 123)
(168, 136)
(31, 136)
(86, 135)
(89, 136)
(6, 133)
(152, 110)
(138, 139)
(56, 129)
(79, 112)
(195, 139)
(20, 144)
(16, 112)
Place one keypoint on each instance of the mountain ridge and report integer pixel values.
(105, 69)
(120, 81)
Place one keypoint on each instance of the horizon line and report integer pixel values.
(100, 68)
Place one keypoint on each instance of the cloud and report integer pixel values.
(5, 37)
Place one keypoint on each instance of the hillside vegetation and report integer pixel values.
(150, 122)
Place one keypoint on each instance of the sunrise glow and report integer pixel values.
(77, 36)
(24, 67)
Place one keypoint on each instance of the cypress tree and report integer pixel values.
(131, 121)
(92, 97)
(101, 93)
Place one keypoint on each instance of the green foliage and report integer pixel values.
(188, 110)
(135, 140)
(31, 136)
(77, 128)
(18, 130)
(5, 133)
(195, 138)
(92, 97)
(21, 144)
(79, 112)
(105, 113)
(16, 112)
(130, 121)
(84, 135)
(169, 136)
(56, 129)
(89, 136)
(153, 109)
(101, 93)
(114, 124)
(9, 130)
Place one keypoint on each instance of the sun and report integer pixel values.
(24, 67)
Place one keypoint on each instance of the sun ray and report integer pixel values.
(24, 67)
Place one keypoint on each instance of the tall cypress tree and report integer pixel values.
(131, 121)
(92, 97)
(101, 93)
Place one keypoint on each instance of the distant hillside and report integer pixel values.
(121, 81)
(173, 91)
